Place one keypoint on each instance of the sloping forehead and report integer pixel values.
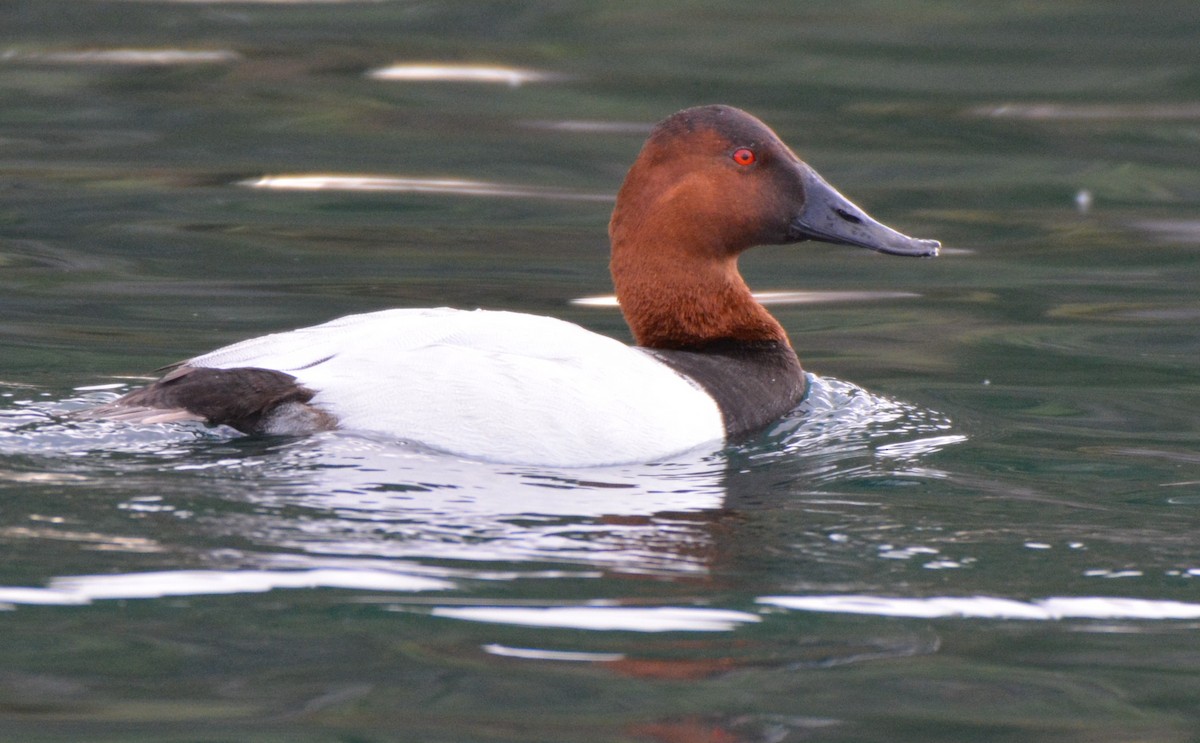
(725, 123)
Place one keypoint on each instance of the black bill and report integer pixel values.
(830, 217)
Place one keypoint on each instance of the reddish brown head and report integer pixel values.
(709, 183)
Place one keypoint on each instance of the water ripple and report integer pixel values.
(341, 496)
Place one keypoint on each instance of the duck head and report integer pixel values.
(709, 183)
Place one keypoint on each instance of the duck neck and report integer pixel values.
(686, 295)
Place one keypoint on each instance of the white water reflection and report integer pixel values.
(463, 187)
(373, 496)
(511, 76)
(568, 656)
(1186, 231)
(918, 448)
(778, 297)
(580, 126)
(1092, 111)
(606, 618)
(988, 607)
(84, 589)
(132, 57)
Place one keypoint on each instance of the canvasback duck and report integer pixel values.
(710, 365)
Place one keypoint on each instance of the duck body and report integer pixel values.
(710, 364)
(508, 386)
(523, 388)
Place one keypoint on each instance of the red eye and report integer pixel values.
(744, 156)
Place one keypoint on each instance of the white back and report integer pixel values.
(496, 385)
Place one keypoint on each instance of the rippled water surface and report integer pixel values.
(981, 524)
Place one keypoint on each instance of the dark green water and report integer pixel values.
(997, 542)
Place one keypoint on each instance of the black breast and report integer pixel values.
(754, 384)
